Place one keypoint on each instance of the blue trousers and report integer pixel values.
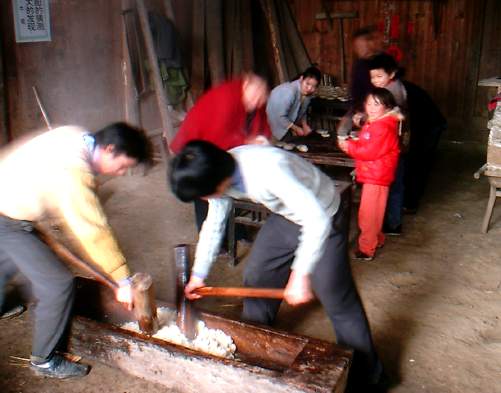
(395, 203)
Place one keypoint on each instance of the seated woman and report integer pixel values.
(288, 103)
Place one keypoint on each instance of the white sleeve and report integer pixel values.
(211, 235)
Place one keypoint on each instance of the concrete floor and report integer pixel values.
(432, 295)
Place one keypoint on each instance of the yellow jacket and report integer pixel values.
(51, 173)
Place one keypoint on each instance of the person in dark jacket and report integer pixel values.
(426, 123)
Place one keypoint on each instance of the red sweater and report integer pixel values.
(219, 117)
(376, 151)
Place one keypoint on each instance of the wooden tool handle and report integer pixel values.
(269, 293)
(68, 256)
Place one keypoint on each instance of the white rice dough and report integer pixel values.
(211, 341)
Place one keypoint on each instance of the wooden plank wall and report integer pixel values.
(446, 64)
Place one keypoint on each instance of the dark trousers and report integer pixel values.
(52, 282)
(269, 266)
(395, 202)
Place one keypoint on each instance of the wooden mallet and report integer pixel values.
(143, 297)
(186, 319)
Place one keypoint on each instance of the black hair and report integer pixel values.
(312, 72)
(127, 140)
(383, 96)
(383, 61)
(199, 169)
(365, 32)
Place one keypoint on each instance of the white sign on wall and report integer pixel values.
(31, 20)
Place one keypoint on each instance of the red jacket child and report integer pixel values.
(220, 117)
(377, 149)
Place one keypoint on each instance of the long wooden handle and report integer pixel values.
(269, 293)
(68, 256)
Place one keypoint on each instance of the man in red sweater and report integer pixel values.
(229, 115)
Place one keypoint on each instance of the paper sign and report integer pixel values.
(31, 20)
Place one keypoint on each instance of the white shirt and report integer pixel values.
(287, 185)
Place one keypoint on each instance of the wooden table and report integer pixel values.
(322, 151)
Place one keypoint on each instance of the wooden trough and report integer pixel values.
(266, 360)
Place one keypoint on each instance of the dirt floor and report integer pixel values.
(433, 295)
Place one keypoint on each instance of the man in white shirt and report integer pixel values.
(302, 246)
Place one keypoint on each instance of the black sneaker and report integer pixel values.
(14, 312)
(363, 256)
(59, 367)
(397, 231)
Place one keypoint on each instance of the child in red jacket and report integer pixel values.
(376, 156)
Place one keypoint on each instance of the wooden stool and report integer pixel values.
(243, 212)
(495, 191)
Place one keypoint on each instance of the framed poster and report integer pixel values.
(31, 20)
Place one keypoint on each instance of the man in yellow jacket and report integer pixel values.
(53, 174)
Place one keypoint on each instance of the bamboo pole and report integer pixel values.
(42, 108)
(163, 103)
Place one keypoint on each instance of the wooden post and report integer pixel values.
(214, 34)
(163, 103)
(278, 55)
(247, 38)
(131, 94)
(295, 40)
(4, 133)
(198, 49)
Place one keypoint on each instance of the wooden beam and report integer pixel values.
(336, 15)
(162, 101)
(247, 36)
(278, 55)
(295, 40)
(4, 128)
(214, 34)
(198, 49)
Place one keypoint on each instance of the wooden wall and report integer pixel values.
(77, 74)
(80, 80)
(445, 61)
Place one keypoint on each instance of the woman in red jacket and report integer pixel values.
(376, 156)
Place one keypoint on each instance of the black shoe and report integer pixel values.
(59, 367)
(396, 231)
(14, 312)
(360, 255)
